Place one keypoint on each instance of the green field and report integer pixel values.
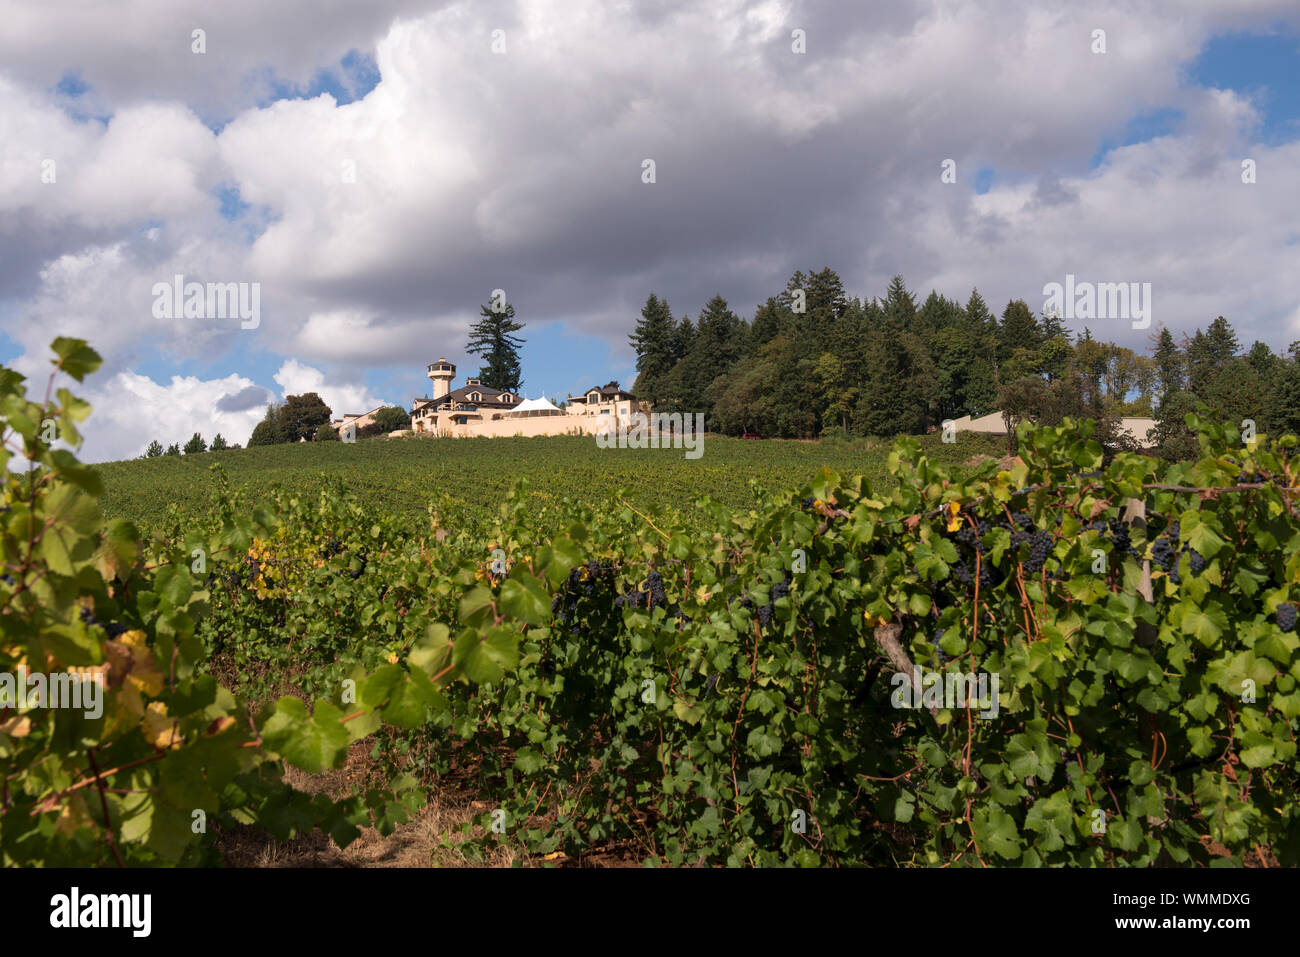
(406, 476)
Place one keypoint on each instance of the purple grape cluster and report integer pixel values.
(1285, 615)
(1039, 551)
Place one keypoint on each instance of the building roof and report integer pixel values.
(607, 392)
(534, 405)
(490, 398)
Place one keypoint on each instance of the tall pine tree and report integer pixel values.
(1170, 364)
(492, 339)
(653, 340)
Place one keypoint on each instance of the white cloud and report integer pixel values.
(295, 378)
(130, 410)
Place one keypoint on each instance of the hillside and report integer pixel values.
(405, 476)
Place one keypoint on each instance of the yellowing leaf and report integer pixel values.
(19, 726)
(160, 729)
(73, 817)
(221, 724)
(954, 512)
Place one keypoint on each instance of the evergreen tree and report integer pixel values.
(1284, 397)
(838, 395)
(155, 449)
(716, 346)
(1172, 438)
(1221, 341)
(1237, 392)
(981, 388)
(1170, 364)
(270, 430)
(492, 340)
(982, 383)
(954, 358)
(770, 320)
(218, 443)
(653, 341)
(1261, 359)
(978, 315)
(1092, 360)
(826, 306)
(683, 338)
(195, 445)
(1019, 330)
(898, 396)
(1054, 327)
(173, 449)
(899, 306)
(826, 294)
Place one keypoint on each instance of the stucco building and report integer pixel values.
(475, 409)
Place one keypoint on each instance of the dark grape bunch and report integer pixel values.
(1117, 532)
(1039, 550)
(1162, 553)
(111, 628)
(962, 573)
(1285, 615)
(780, 590)
(655, 587)
(593, 580)
(1165, 552)
(652, 596)
(362, 556)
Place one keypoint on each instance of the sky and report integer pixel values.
(373, 172)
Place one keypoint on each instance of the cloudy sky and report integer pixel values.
(379, 168)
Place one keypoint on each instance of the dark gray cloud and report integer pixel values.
(252, 397)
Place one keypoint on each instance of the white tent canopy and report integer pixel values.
(541, 406)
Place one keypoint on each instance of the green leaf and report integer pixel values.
(75, 357)
(526, 601)
(313, 742)
(475, 606)
(996, 832)
(529, 761)
(410, 700)
(432, 651)
(484, 659)
(1206, 624)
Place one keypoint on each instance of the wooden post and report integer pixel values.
(887, 638)
(1135, 514)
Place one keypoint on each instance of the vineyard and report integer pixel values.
(621, 662)
(471, 477)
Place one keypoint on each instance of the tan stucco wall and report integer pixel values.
(525, 425)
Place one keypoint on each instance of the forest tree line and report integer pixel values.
(813, 362)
